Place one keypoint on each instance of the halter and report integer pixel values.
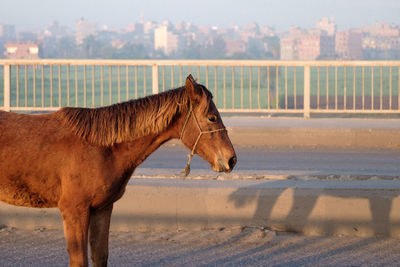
(186, 170)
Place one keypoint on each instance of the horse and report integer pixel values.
(81, 159)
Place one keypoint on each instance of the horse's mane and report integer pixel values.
(126, 121)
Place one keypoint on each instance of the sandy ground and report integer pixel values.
(217, 247)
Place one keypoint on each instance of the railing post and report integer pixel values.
(7, 92)
(307, 91)
(155, 78)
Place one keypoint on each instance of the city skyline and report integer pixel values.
(161, 40)
(280, 15)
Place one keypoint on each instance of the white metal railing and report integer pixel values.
(238, 86)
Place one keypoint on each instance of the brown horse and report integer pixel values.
(80, 160)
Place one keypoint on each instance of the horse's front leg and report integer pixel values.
(76, 223)
(98, 235)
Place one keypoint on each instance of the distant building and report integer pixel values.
(186, 40)
(7, 32)
(272, 47)
(316, 46)
(327, 26)
(381, 29)
(204, 30)
(84, 29)
(56, 30)
(165, 40)
(148, 27)
(21, 51)
(381, 43)
(234, 47)
(348, 45)
(118, 44)
(27, 37)
(307, 46)
(378, 48)
(267, 31)
(288, 46)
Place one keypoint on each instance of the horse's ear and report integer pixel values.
(194, 91)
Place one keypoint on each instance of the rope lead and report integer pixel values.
(186, 170)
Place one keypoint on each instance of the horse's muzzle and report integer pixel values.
(225, 166)
(232, 162)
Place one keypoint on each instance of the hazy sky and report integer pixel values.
(36, 14)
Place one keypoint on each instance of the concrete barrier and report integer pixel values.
(351, 208)
(317, 138)
(336, 133)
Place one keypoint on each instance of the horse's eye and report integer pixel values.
(212, 118)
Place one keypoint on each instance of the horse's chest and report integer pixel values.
(109, 192)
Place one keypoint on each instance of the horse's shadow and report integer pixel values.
(304, 201)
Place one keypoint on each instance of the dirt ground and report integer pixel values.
(213, 247)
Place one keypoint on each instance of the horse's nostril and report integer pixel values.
(232, 162)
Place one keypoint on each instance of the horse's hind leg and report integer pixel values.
(76, 223)
(98, 235)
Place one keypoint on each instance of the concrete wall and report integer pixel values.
(352, 208)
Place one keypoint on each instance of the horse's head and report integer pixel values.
(203, 131)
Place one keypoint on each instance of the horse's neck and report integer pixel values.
(129, 155)
(126, 121)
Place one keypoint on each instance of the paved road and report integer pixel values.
(224, 247)
(168, 160)
(268, 122)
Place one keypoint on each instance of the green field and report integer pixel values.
(269, 87)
